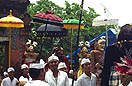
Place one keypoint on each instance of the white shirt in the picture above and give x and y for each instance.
(36, 83)
(25, 79)
(70, 82)
(61, 80)
(130, 84)
(7, 82)
(85, 80)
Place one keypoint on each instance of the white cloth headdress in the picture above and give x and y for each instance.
(62, 65)
(84, 60)
(24, 66)
(37, 65)
(10, 69)
(53, 57)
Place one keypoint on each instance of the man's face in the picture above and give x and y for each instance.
(64, 69)
(70, 75)
(54, 64)
(25, 71)
(42, 74)
(11, 74)
(60, 52)
(87, 67)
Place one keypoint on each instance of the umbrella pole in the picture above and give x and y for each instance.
(41, 48)
(44, 39)
(71, 49)
(76, 59)
(9, 46)
(106, 35)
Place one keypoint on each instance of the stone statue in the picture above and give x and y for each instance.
(97, 54)
(30, 55)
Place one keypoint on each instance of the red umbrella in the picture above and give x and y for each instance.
(48, 17)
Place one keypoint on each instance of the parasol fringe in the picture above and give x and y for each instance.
(73, 26)
(12, 25)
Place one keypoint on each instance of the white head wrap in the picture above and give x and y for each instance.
(24, 66)
(42, 61)
(84, 60)
(10, 69)
(53, 57)
(5, 73)
(37, 65)
(71, 71)
(62, 65)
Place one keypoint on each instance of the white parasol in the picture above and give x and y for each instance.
(104, 21)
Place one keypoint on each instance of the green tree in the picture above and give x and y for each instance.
(71, 10)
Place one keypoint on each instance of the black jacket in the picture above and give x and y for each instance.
(112, 55)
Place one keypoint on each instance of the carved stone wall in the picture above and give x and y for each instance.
(14, 37)
(18, 40)
(18, 6)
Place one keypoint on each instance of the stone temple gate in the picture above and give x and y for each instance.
(19, 36)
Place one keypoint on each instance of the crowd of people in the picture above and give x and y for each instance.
(96, 68)
(57, 74)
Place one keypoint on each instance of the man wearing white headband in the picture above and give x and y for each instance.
(62, 67)
(25, 75)
(5, 74)
(72, 74)
(36, 72)
(55, 77)
(87, 78)
(11, 80)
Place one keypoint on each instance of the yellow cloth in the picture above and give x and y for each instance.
(11, 21)
(73, 26)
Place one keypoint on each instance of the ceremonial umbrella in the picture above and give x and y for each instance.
(48, 17)
(104, 21)
(11, 22)
(72, 24)
(52, 31)
(52, 27)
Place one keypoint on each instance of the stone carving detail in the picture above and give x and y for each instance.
(4, 32)
(14, 36)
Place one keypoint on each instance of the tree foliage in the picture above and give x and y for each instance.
(71, 10)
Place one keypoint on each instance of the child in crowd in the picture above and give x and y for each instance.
(87, 78)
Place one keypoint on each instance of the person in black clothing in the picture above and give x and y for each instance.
(123, 47)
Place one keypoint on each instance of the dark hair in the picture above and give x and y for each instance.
(125, 33)
(34, 73)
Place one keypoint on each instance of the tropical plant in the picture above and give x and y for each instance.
(70, 10)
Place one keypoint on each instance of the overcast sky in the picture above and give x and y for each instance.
(119, 9)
